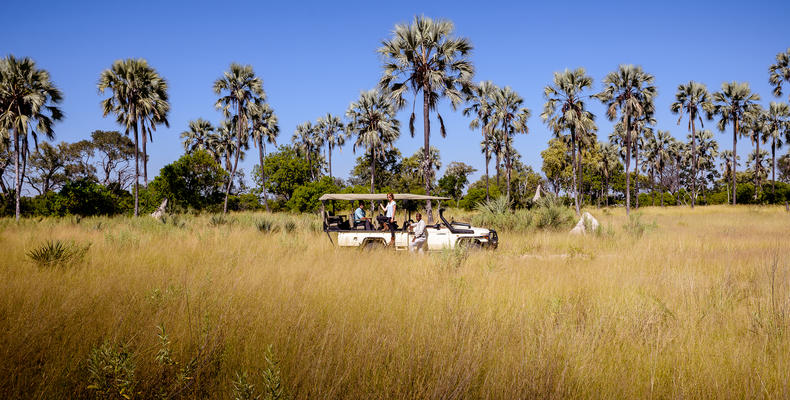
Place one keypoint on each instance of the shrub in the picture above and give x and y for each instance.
(57, 253)
(266, 226)
(111, 372)
(218, 220)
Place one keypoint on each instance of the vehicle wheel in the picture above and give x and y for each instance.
(469, 244)
(372, 245)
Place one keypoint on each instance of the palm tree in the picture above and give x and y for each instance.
(777, 127)
(627, 90)
(728, 158)
(650, 153)
(731, 103)
(28, 101)
(664, 156)
(139, 95)
(330, 129)
(222, 143)
(512, 117)
(707, 151)
(641, 129)
(693, 99)
(780, 72)
(564, 110)
(481, 107)
(606, 165)
(264, 129)
(372, 120)
(243, 91)
(755, 129)
(307, 141)
(196, 136)
(424, 56)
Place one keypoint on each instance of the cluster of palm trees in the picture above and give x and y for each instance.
(424, 57)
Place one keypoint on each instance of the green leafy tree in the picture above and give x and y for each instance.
(481, 107)
(285, 171)
(265, 129)
(28, 106)
(565, 110)
(193, 181)
(331, 131)
(305, 197)
(780, 72)
(455, 179)
(732, 103)
(424, 57)
(512, 118)
(138, 94)
(693, 100)
(240, 93)
(115, 153)
(373, 126)
(197, 135)
(389, 167)
(557, 165)
(627, 89)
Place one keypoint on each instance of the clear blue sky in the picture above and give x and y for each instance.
(315, 58)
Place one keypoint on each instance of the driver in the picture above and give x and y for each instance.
(420, 234)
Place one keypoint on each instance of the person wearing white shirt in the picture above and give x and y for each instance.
(390, 215)
(420, 234)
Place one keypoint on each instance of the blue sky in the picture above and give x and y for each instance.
(316, 57)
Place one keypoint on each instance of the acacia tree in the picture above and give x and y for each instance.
(424, 57)
(115, 152)
(565, 110)
(779, 73)
(330, 129)
(731, 104)
(264, 129)
(373, 124)
(197, 135)
(28, 99)
(481, 106)
(138, 93)
(777, 127)
(512, 117)
(241, 92)
(627, 90)
(693, 99)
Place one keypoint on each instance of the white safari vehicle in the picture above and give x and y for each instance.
(441, 235)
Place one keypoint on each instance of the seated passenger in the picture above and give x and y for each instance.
(420, 234)
(360, 219)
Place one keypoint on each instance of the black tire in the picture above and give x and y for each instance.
(371, 245)
(469, 244)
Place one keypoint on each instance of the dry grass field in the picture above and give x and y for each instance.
(695, 306)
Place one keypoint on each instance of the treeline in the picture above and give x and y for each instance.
(423, 61)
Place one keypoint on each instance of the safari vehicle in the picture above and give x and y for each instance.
(441, 235)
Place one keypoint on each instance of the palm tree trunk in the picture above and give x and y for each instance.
(758, 166)
(136, 167)
(236, 161)
(661, 185)
(573, 168)
(145, 155)
(693, 163)
(329, 156)
(488, 158)
(427, 147)
(507, 161)
(372, 178)
(627, 164)
(773, 169)
(579, 182)
(261, 155)
(636, 166)
(734, 158)
(17, 178)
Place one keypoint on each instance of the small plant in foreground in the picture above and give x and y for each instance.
(55, 253)
(290, 226)
(243, 389)
(266, 226)
(635, 226)
(111, 372)
(217, 220)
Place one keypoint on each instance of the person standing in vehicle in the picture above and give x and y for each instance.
(389, 213)
(420, 234)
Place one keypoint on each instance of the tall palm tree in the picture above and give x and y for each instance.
(307, 141)
(197, 135)
(641, 129)
(512, 118)
(706, 154)
(777, 127)
(693, 99)
(424, 56)
(264, 129)
(755, 129)
(481, 107)
(331, 129)
(664, 156)
(156, 115)
(372, 121)
(240, 93)
(565, 110)
(627, 90)
(650, 153)
(606, 165)
(139, 96)
(729, 163)
(28, 99)
(222, 144)
(780, 72)
(731, 104)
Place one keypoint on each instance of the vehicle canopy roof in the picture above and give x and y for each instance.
(377, 196)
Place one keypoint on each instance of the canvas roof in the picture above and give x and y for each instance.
(377, 196)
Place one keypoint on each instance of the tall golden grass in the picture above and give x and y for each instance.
(697, 306)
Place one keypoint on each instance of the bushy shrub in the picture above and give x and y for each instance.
(57, 254)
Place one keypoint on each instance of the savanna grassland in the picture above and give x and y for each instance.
(682, 304)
